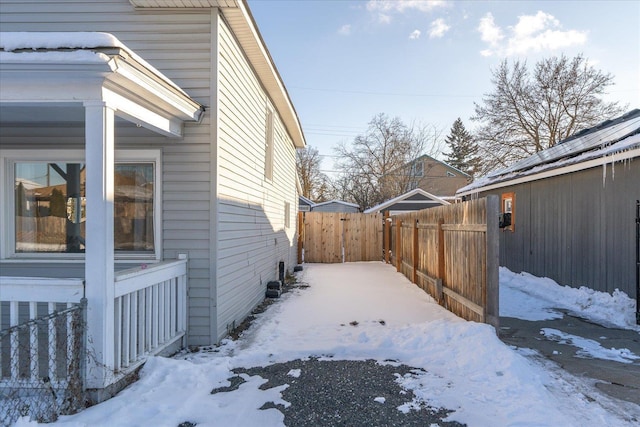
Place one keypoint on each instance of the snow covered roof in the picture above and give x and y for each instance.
(306, 201)
(72, 46)
(339, 202)
(49, 69)
(611, 141)
(405, 196)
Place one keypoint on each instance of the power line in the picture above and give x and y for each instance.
(362, 92)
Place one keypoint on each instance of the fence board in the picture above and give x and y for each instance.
(449, 251)
(454, 257)
(332, 237)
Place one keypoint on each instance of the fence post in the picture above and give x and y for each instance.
(398, 244)
(415, 251)
(387, 240)
(441, 262)
(491, 296)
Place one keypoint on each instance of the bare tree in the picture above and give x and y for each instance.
(315, 184)
(374, 166)
(529, 112)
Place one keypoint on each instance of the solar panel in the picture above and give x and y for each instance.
(586, 140)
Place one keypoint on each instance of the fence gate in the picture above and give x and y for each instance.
(335, 237)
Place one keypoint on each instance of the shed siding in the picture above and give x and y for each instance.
(178, 43)
(576, 229)
(252, 237)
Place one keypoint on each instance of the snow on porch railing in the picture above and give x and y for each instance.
(150, 310)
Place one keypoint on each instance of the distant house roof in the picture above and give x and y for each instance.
(306, 201)
(425, 156)
(339, 202)
(413, 200)
(611, 141)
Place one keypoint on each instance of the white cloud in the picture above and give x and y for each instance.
(530, 24)
(489, 31)
(532, 33)
(402, 5)
(415, 35)
(438, 28)
(345, 30)
(384, 8)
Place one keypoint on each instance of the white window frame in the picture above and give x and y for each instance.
(8, 159)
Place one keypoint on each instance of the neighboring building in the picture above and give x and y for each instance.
(200, 136)
(304, 204)
(413, 200)
(335, 206)
(574, 208)
(435, 177)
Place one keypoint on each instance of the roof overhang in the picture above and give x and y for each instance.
(401, 198)
(590, 160)
(240, 19)
(113, 75)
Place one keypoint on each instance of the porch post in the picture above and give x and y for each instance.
(99, 274)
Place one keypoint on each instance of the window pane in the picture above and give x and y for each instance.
(49, 207)
(133, 216)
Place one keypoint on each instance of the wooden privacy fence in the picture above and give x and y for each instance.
(331, 237)
(452, 253)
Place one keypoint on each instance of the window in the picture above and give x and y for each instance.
(48, 205)
(418, 169)
(509, 207)
(268, 162)
(287, 214)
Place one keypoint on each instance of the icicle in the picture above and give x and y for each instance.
(613, 168)
(604, 173)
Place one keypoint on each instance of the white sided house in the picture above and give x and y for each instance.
(147, 163)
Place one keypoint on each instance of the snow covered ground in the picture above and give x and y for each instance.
(468, 369)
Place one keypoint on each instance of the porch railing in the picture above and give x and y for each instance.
(150, 311)
(41, 347)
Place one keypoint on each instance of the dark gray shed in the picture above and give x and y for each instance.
(574, 208)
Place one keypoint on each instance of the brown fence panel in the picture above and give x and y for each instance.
(449, 251)
(322, 237)
(331, 237)
(362, 237)
(452, 253)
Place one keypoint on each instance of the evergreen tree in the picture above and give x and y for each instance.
(464, 150)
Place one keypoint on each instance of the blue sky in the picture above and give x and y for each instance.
(428, 61)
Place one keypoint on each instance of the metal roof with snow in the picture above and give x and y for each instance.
(612, 140)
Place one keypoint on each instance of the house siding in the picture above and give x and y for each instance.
(252, 237)
(179, 44)
(576, 229)
(436, 181)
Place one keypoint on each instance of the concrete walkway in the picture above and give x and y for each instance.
(616, 379)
